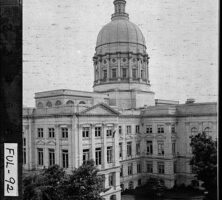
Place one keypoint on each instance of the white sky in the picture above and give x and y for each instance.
(59, 38)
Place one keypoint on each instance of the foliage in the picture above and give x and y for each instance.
(204, 161)
(54, 184)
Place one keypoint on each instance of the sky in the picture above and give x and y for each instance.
(59, 39)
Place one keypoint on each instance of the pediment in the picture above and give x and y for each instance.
(40, 142)
(99, 109)
(51, 142)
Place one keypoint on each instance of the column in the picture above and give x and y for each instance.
(45, 149)
(70, 147)
(168, 143)
(99, 70)
(92, 135)
(117, 179)
(74, 139)
(124, 156)
(130, 68)
(104, 147)
(57, 149)
(116, 145)
(118, 67)
(80, 144)
(139, 68)
(186, 140)
(95, 78)
(28, 140)
(108, 70)
(200, 127)
(106, 180)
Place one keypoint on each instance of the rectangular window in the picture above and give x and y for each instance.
(149, 129)
(138, 167)
(65, 159)
(129, 149)
(175, 166)
(173, 148)
(98, 156)
(64, 132)
(40, 156)
(149, 147)
(97, 131)
(104, 74)
(51, 157)
(121, 171)
(173, 130)
(40, 132)
(124, 72)
(160, 128)
(160, 167)
(24, 141)
(114, 75)
(149, 167)
(120, 130)
(139, 182)
(134, 72)
(128, 129)
(85, 156)
(24, 156)
(130, 169)
(111, 179)
(120, 150)
(85, 132)
(109, 154)
(51, 132)
(142, 74)
(138, 148)
(160, 148)
(109, 132)
(137, 129)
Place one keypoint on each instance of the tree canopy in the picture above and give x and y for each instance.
(53, 183)
(204, 161)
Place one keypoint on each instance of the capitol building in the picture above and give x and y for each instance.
(129, 134)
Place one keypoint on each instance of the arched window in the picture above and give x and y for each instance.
(49, 104)
(193, 131)
(69, 102)
(131, 185)
(40, 105)
(207, 130)
(82, 102)
(58, 103)
(113, 197)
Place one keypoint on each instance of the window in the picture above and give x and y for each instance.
(138, 167)
(131, 186)
(175, 166)
(160, 128)
(149, 147)
(85, 132)
(142, 74)
(40, 156)
(49, 104)
(113, 197)
(24, 155)
(51, 132)
(134, 73)
(149, 129)
(173, 130)
(40, 132)
(111, 179)
(138, 148)
(64, 132)
(130, 169)
(65, 159)
(137, 128)
(98, 156)
(207, 130)
(160, 148)
(82, 102)
(122, 187)
(193, 131)
(160, 167)
(139, 183)
(120, 150)
(109, 131)
(109, 154)
(97, 131)
(129, 149)
(85, 156)
(173, 148)
(121, 171)
(51, 157)
(128, 129)
(40, 105)
(124, 72)
(149, 167)
(114, 75)
(120, 129)
(24, 141)
(58, 103)
(104, 74)
(69, 102)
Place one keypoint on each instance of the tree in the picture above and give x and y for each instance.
(204, 161)
(54, 184)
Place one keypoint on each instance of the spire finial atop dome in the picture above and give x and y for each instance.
(119, 10)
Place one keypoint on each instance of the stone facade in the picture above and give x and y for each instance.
(130, 135)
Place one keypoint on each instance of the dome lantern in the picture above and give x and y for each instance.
(119, 6)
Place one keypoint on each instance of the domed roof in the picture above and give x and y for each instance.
(120, 30)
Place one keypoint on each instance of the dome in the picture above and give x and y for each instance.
(120, 31)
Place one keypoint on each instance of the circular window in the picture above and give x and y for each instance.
(58, 103)
(49, 104)
(113, 60)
